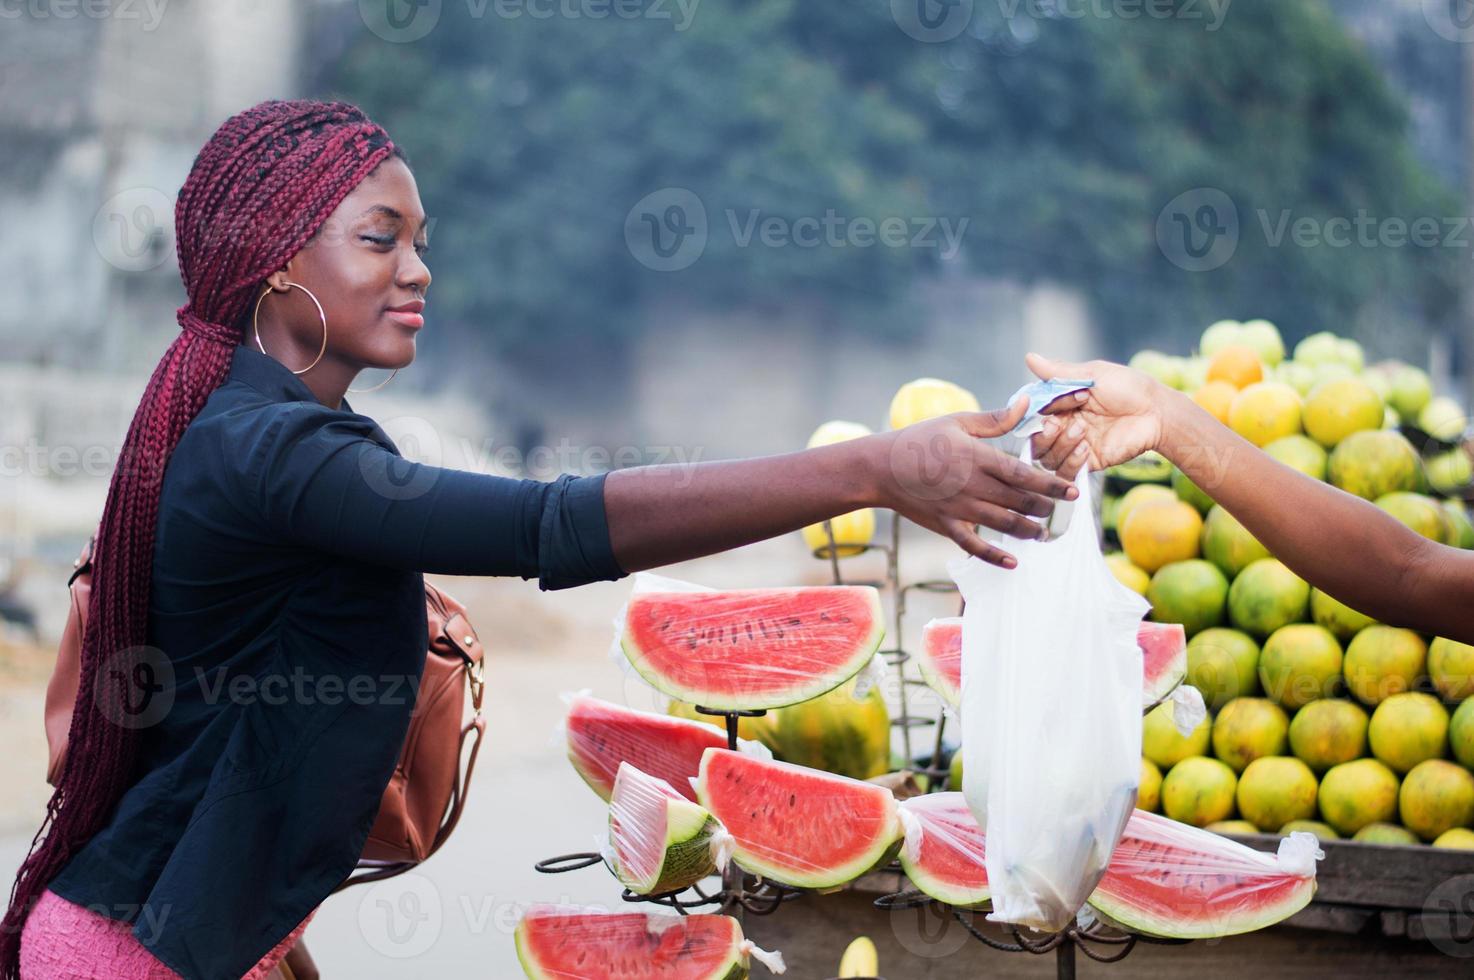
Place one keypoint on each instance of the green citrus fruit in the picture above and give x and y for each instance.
(1355, 794)
(1372, 464)
(1193, 593)
(1436, 796)
(1223, 664)
(1248, 729)
(1336, 616)
(1275, 790)
(1198, 791)
(1328, 732)
(1407, 729)
(1299, 663)
(1266, 596)
(1382, 661)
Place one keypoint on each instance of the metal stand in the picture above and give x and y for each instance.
(740, 893)
(1117, 943)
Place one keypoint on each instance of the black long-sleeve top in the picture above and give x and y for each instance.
(287, 635)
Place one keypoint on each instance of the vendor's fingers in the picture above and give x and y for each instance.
(966, 537)
(1063, 447)
(1073, 463)
(1018, 474)
(1065, 404)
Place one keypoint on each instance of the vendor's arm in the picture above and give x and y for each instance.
(1338, 542)
(939, 474)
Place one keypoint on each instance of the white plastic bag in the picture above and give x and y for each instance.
(1051, 717)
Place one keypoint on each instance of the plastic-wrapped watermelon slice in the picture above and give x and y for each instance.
(1176, 881)
(559, 942)
(944, 854)
(1163, 648)
(659, 841)
(750, 649)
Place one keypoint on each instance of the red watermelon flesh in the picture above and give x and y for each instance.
(1163, 659)
(601, 735)
(1163, 648)
(944, 854)
(566, 943)
(1173, 880)
(796, 825)
(752, 648)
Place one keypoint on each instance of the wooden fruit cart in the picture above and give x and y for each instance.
(1381, 911)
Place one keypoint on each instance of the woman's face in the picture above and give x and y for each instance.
(365, 265)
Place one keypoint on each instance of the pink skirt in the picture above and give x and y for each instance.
(65, 941)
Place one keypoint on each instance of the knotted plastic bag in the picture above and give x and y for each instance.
(1051, 717)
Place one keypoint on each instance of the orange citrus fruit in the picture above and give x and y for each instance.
(1237, 364)
(1216, 397)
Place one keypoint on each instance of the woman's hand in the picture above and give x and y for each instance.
(1120, 418)
(941, 475)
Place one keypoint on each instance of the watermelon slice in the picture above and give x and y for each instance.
(796, 825)
(601, 735)
(752, 648)
(1163, 648)
(1176, 881)
(659, 841)
(558, 942)
(1163, 659)
(941, 658)
(943, 854)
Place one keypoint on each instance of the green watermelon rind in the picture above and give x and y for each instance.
(947, 894)
(822, 684)
(1123, 915)
(687, 860)
(736, 966)
(880, 853)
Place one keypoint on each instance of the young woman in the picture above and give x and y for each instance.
(1341, 544)
(259, 529)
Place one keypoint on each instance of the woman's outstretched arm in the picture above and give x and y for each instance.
(939, 474)
(1338, 542)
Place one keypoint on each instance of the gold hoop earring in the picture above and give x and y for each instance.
(377, 386)
(321, 315)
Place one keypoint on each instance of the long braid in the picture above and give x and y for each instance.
(259, 189)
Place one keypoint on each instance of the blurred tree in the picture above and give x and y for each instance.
(1059, 138)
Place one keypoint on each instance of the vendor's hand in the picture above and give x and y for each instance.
(1119, 419)
(943, 476)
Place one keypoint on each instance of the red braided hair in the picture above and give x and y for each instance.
(259, 189)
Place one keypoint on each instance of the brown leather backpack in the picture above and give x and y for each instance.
(424, 798)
